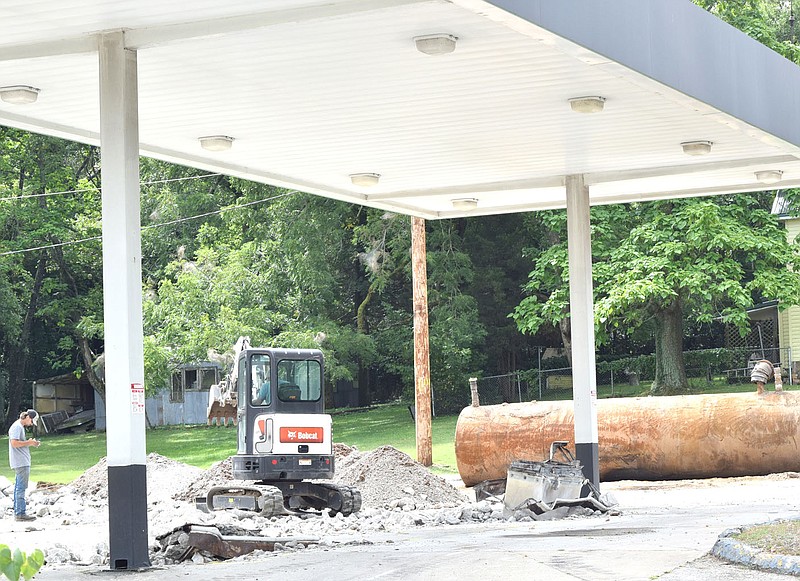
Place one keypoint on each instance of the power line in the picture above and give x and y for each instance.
(168, 180)
(47, 247)
(169, 223)
(220, 211)
(95, 190)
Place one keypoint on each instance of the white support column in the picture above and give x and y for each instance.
(122, 303)
(581, 308)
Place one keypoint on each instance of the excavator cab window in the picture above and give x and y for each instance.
(261, 394)
(299, 380)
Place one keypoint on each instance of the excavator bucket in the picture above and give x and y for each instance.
(221, 405)
(221, 413)
(222, 396)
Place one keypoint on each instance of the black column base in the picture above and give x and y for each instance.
(588, 455)
(127, 517)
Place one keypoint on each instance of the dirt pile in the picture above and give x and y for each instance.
(164, 476)
(398, 493)
(219, 473)
(386, 477)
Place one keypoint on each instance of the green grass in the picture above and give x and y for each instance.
(62, 458)
(392, 425)
(777, 537)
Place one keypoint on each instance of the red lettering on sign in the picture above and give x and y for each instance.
(302, 435)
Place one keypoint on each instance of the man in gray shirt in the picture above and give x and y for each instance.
(19, 457)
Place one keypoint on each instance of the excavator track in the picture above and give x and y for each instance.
(264, 499)
(342, 499)
(272, 502)
(300, 496)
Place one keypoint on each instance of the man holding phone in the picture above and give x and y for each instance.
(19, 457)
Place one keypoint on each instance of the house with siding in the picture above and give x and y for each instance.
(789, 318)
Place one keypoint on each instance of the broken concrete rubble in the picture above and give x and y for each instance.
(222, 542)
(406, 497)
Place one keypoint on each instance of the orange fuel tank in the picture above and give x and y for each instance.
(643, 438)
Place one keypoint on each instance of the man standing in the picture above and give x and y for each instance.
(19, 457)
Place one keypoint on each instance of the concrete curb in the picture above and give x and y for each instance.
(735, 551)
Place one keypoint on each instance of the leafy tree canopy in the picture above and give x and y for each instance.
(695, 259)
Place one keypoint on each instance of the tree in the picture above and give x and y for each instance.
(668, 266)
(769, 22)
(495, 246)
(658, 264)
(48, 282)
(274, 265)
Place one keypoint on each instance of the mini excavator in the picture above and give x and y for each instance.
(276, 399)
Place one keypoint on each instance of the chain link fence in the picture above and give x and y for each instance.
(712, 368)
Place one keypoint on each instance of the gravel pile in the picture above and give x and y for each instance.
(219, 473)
(388, 477)
(163, 477)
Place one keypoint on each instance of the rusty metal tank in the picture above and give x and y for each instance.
(643, 438)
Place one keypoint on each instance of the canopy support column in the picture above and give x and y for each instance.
(122, 305)
(581, 308)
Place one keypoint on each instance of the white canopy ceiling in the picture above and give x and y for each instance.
(313, 91)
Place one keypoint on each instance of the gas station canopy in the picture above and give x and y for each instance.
(433, 108)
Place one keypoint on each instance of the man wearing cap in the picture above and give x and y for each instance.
(19, 457)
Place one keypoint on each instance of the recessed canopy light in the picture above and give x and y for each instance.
(769, 176)
(435, 44)
(365, 179)
(19, 94)
(216, 142)
(696, 147)
(587, 104)
(464, 203)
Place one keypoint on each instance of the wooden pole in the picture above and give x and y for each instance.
(422, 373)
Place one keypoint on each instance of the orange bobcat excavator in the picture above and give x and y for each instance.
(284, 435)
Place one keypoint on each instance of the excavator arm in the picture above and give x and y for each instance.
(222, 396)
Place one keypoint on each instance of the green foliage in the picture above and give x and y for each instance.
(279, 276)
(45, 292)
(456, 332)
(495, 245)
(547, 289)
(158, 366)
(709, 259)
(16, 564)
(718, 359)
(716, 257)
(766, 21)
(643, 365)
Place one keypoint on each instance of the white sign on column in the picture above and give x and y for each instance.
(137, 398)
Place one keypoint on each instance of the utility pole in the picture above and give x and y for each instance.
(422, 372)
